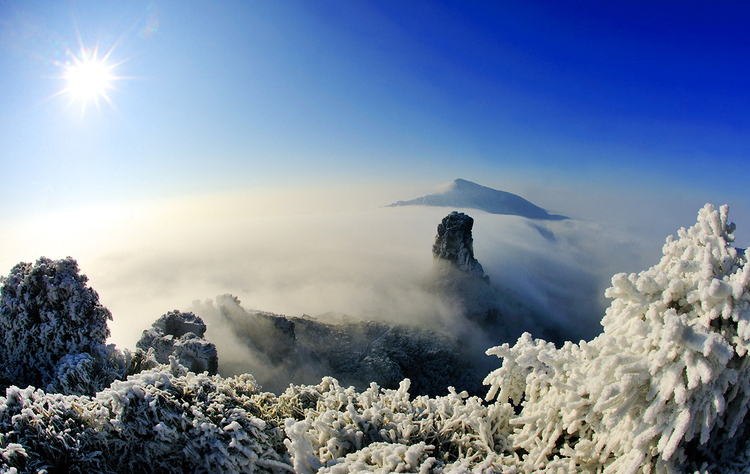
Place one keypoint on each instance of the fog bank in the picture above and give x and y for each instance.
(308, 253)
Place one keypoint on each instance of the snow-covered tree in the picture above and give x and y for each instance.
(53, 330)
(667, 384)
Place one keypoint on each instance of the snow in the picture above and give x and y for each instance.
(344, 430)
(52, 323)
(664, 388)
(669, 368)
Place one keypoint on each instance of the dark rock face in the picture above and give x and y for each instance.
(284, 349)
(454, 244)
(181, 334)
(432, 360)
(279, 350)
(178, 324)
(460, 278)
(270, 334)
(303, 350)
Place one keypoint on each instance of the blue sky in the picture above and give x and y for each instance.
(249, 94)
(233, 128)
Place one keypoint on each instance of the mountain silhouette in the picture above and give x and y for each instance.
(465, 194)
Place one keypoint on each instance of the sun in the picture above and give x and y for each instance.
(88, 78)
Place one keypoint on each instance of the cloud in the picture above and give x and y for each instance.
(309, 252)
(560, 268)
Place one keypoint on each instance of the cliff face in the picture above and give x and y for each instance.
(279, 350)
(459, 277)
(454, 244)
(289, 349)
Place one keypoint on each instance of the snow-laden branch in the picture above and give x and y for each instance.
(666, 384)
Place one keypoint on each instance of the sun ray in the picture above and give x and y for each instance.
(88, 78)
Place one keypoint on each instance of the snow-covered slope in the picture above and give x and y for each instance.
(465, 194)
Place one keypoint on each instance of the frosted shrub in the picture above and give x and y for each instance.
(665, 387)
(87, 373)
(339, 430)
(40, 430)
(161, 420)
(190, 423)
(48, 313)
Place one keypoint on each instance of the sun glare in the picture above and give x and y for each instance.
(89, 78)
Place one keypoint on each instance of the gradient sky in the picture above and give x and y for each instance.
(246, 147)
(257, 94)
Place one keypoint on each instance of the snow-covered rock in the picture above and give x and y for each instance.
(181, 335)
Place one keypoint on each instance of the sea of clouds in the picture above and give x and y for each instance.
(337, 252)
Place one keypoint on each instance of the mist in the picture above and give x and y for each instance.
(333, 258)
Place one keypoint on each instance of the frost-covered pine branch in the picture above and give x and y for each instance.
(665, 387)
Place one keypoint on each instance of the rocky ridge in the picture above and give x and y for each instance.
(288, 349)
(303, 350)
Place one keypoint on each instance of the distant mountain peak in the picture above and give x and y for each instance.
(466, 194)
(458, 182)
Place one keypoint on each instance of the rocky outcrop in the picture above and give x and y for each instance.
(270, 334)
(454, 244)
(279, 350)
(289, 349)
(181, 335)
(460, 278)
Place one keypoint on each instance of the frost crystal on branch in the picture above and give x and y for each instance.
(49, 315)
(163, 420)
(379, 430)
(670, 371)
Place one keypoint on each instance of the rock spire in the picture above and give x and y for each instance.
(455, 245)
